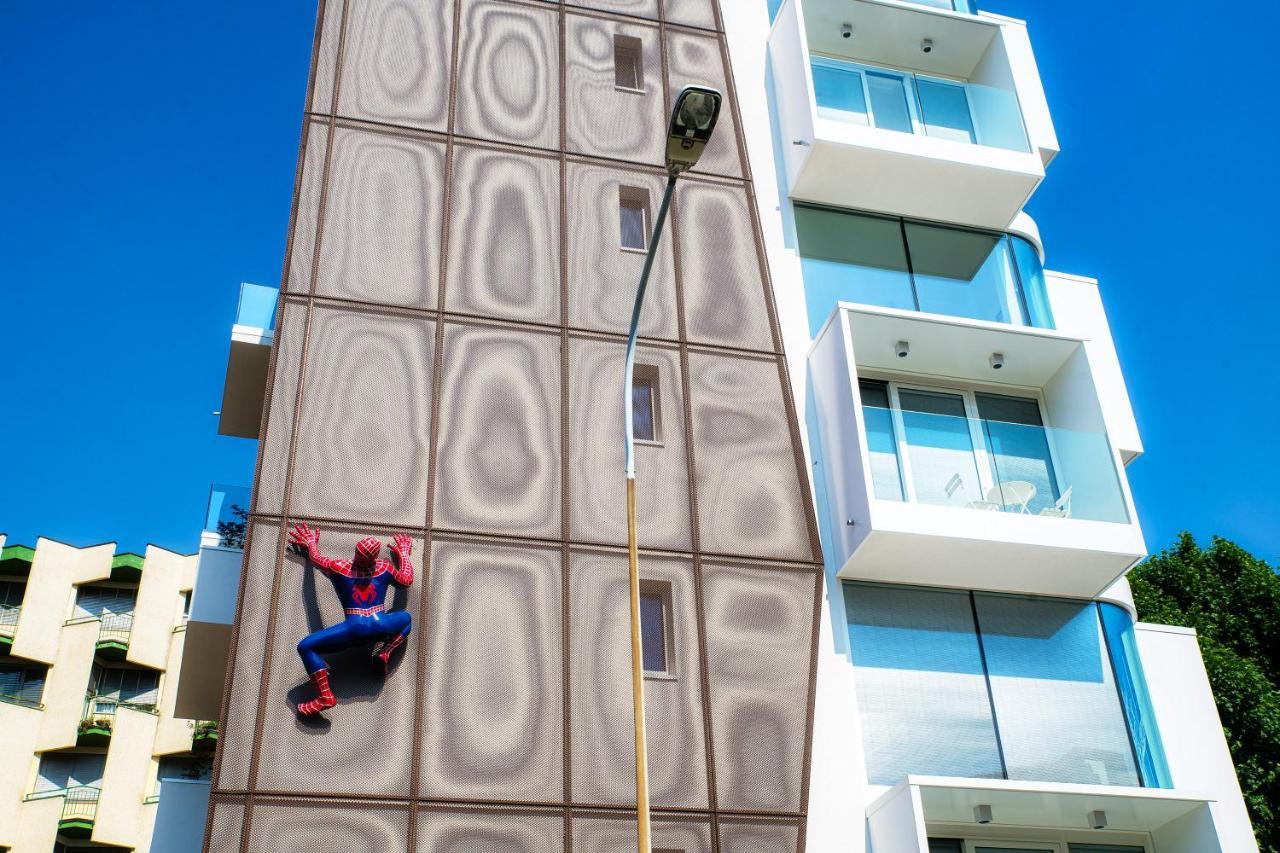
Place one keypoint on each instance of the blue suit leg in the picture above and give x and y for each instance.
(398, 624)
(331, 639)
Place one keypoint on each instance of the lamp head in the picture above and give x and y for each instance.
(692, 120)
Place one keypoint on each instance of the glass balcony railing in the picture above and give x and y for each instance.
(992, 466)
(912, 103)
(228, 514)
(257, 308)
(966, 6)
(918, 266)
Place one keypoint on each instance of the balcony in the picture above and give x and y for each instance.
(247, 363)
(909, 108)
(226, 517)
(8, 626)
(79, 812)
(79, 809)
(938, 469)
(113, 635)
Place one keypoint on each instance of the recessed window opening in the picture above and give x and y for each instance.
(628, 67)
(633, 218)
(646, 417)
(656, 639)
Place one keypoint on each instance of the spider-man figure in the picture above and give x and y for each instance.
(361, 584)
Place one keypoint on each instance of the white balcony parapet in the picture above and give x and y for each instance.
(251, 337)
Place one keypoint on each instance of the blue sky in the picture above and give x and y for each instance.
(149, 156)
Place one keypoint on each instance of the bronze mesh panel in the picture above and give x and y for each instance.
(459, 830)
(363, 438)
(326, 55)
(507, 73)
(598, 497)
(600, 648)
(608, 833)
(759, 674)
(242, 708)
(750, 499)
(690, 13)
(226, 822)
(369, 727)
(499, 450)
(448, 364)
(312, 827)
(746, 836)
(601, 118)
(268, 494)
(396, 69)
(492, 726)
(696, 59)
(638, 8)
(603, 275)
(380, 241)
(505, 213)
(723, 297)
(308, 205)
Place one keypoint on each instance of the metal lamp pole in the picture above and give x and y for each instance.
(692, 120)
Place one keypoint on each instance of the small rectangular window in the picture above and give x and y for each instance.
(655, 627)
(628, 65)
(633, 218)
(645, 416)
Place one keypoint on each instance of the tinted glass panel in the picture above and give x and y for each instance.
(851, 257)
(838, 92)
(946, 845)
(1031, 277)
(944, 470)
(889, 101)
(964, 273)
(882, 443)
(922, 699)
(642, 410)
(653, 631)
(945, 109)
(1134, 696)
(1018, 450)
(1053, 690)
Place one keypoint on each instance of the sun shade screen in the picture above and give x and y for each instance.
(98, 601)
(922, 699)
(59, 771)
(23, 683)
(1053, 691)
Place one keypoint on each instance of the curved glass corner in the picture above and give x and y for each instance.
(1135, 698)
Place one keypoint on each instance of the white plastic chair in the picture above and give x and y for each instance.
(1061, 507)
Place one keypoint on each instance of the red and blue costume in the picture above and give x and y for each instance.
(361, 584)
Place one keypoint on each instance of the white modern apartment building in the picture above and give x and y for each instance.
(983, 684)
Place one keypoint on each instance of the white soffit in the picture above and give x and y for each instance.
(1052, 805)
(955, 348)
(890, 34)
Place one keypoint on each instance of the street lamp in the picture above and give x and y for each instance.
(692, 121)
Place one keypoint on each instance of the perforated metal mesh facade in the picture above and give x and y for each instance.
(446, 365)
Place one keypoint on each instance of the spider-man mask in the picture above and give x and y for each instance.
(367, 552)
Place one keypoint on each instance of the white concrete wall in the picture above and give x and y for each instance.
(158, 608)
(20, 727)
(1077, 310)
(55, 572)
(1192, 734)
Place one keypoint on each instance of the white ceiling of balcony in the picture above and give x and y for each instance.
(890, 33)
(955, 348)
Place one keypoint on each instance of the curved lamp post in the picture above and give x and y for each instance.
(692, 121)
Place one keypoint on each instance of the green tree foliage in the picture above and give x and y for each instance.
(1232, 599)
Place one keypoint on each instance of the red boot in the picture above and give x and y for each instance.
(382, 657)
(324, 696)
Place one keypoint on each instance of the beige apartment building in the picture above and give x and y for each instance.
(87, 638)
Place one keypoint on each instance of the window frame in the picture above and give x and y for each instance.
(662, 589)
(635, 198)
(915, 109)
(652, 375)
(968, 393)
(630, 48)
